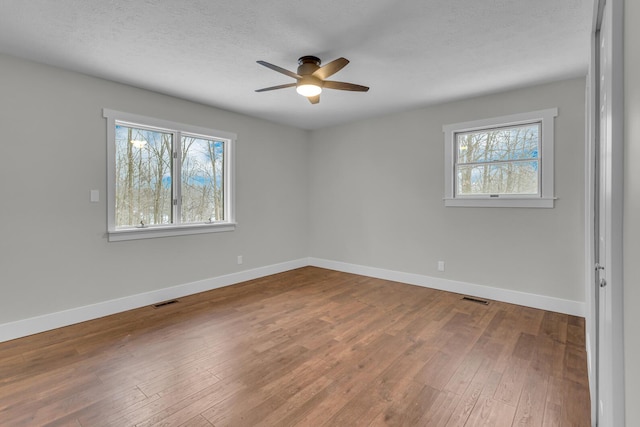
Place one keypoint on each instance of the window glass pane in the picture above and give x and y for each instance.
(509, 143)
(143, 177)
(202, 180)
(497, 178)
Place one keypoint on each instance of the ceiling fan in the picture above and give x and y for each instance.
(311, 77)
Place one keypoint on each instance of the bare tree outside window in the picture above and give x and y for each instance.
(144, 184)
(498, 161)
(202, 180)
(143, 177)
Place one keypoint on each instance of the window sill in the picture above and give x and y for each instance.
(500, 203)
(167, 231)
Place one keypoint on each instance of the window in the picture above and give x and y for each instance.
(505, 161)
(167, 178)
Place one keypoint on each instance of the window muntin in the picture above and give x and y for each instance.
(167, 178)
(498, 161)
(501, 162)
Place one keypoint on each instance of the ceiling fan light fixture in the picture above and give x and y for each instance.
(308, 90)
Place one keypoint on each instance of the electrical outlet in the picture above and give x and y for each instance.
(440, 265)
(239, 259)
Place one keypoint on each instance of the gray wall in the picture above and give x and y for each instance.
(53, 251)
(632, 211)
(377, 188)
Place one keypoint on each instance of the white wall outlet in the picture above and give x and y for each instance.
(95, 196)
(239, 259)
(440, 265)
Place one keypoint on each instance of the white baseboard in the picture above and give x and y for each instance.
(46, 322)
(558, 305)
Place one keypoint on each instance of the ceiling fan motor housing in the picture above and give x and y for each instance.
(308, 64)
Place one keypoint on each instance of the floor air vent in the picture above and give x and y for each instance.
(164, 303)
(476, 300)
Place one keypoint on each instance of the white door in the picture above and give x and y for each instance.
(604, 345)
(607, 292)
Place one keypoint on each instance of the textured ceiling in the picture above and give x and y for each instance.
(411, 53)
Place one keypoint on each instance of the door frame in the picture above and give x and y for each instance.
(612, 395)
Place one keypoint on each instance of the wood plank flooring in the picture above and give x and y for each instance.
(309, 347)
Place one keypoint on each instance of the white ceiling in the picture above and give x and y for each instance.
(411, 53)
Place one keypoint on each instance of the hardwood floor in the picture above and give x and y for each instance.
(309, 347)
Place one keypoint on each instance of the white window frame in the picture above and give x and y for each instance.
(166, 230)
(545, 199)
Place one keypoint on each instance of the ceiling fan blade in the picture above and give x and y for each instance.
(276, 87)
(344, 86)
(280, 70)
(314, 99)
(331, 68)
